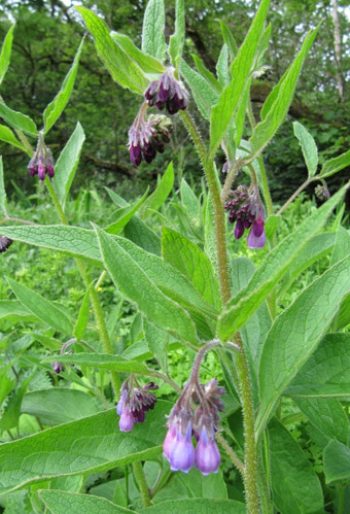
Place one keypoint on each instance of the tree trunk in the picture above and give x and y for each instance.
(337, 49)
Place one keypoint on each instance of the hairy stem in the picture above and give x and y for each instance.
(294, 195)
(142, 484)
(230, 453)
(250, 459)
(95, 301)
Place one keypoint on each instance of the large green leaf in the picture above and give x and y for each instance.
(14, 309)
(177, 40)
(101, 361)
(5, 54)
(276, 264)
(153, 37)
(17, 120)
(204, 94)
(336, 461)
(283, 96)
(197, 506)
(133, 282)
(8, 136)
(336, 164)
(146, 62)
(54, 110)
(61, 502)
(83, 243)
(67, 163)
(59, 405)
(3, 208)
(42, 308)
(192, 262)
(300, 491)
(157, 341)
(241, 69)
(308, 147)
(326, 373)
(88, 445)
(120, 65)
(327, 415)
(296, 334)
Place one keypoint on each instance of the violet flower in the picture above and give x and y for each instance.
(167, 92)
(134, 402)
(147, 136)
(5, 242)
(246, 210)
(41, 163)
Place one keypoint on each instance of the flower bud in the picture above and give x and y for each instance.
(167, 93)
(41, 163)
(134, 402)
(5, 242)
(207, 456)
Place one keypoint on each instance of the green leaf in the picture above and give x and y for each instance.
(177, 40)
(192, 262)
(336, 462)
(147, 63)
(100, 361)
(61, 502)
(332, 166)
(228, 38)
(140, 234)
(327, 416)
(125, 214)
(153, 38)
(83, 316)
(289, 344)
(222, 66)
(42, 308)
(343, 319)
(190, 202)
(308, 147)
(58, 405)
(89, 445)
(132, 281)
(241, 69)
(14, 308)
(162, 191)
(10, 415)
(204, 94)
(157, 341)
(8, 136)
(276, 264)
(3, 208)
(208, 75)
(17, 120)
(54, 110)
(67, 163)
(120, 65)
(341, 246)
(197, 506)
(326, 373)
(300, 490)
(281, 99)
(5, 54)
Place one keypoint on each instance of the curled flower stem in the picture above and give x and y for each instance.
(230, 178)
(142, 484)
(200, 356)
(236, 461)
(95, 301)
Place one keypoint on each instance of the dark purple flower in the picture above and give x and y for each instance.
(57, 367)
(167, 93)
(245, 208)
(147, 136)
(5, 242)
(41, 163)
(207, 456)
(134, 402)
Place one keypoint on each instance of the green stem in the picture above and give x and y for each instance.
(294, 195)
(250, 462)
(95, 301)
(236, 461)
(142, 484)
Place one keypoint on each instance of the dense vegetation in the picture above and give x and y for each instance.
(201, 290)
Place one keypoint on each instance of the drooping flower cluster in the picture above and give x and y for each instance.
(147, 136)
(245, 208)
(134, 402)
(194, 416)
(167, 92)
(5, 242)
(42, 162)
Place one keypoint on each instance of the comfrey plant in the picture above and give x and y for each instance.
(191, 437)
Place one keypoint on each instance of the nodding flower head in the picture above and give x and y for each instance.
(245, 208)
(42, 162)
(147, 136)
(5, 242)
(134, 402)
(167, 92)
(194, 416)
